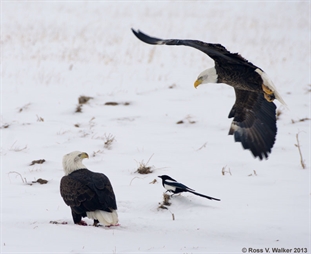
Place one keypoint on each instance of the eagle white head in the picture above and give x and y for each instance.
(73, 161)
(207, 76)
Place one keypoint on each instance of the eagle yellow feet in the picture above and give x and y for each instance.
(268, 93)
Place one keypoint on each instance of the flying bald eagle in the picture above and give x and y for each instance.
(253, 113)
(88, 194)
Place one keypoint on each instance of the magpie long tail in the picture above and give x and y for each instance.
(201, 195)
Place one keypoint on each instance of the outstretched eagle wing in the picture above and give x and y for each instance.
(84, 190)
(254, 122)
(214, 51)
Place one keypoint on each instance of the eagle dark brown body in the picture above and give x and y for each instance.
(89, 194)
(253, 113)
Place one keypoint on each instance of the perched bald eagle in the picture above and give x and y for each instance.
(88, 194)
(254, 113)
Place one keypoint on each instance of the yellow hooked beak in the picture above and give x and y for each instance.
(197, 82)
(84, 155)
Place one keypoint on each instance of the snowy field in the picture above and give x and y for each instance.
(54, 52)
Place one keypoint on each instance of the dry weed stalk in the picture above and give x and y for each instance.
(203, 146)
(303, 165)
(109, 139)
(97, 152)
(91, 122)
(278, 114)
(39, 119)
(151, 55)
(255, 174)
(136, 178)
(153, 181)
(17, 148)
(166, 203)
(223, 171)
(301, 120)
(24, 107)
(23, 178)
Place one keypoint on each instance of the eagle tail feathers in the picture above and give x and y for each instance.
(105, 218)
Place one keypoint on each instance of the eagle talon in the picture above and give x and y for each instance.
(82, 223)
(267, 90)
(269, 97)
(95, 224)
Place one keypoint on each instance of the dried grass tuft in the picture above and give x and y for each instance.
(165, 203)
(5, 126)
(41, 181)
(37, 162)
(143, 168)
(166, 199)
(79, 108)
(84, 99)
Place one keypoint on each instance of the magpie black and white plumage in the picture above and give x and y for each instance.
(175, 187)
(253, 113)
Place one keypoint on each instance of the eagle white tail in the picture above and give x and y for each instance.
(267, 82)
(105, 218)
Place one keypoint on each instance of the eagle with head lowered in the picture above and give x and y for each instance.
(88, 194)
(253, 113)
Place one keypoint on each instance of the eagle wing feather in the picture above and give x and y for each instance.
(254, 122)
(84, 190)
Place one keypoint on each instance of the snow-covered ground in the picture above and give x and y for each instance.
(54, 52)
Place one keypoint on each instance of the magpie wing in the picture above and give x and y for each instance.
(178, 185)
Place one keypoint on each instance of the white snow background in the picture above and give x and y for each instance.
(54, 52)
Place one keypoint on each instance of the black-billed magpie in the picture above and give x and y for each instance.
(172, 185)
